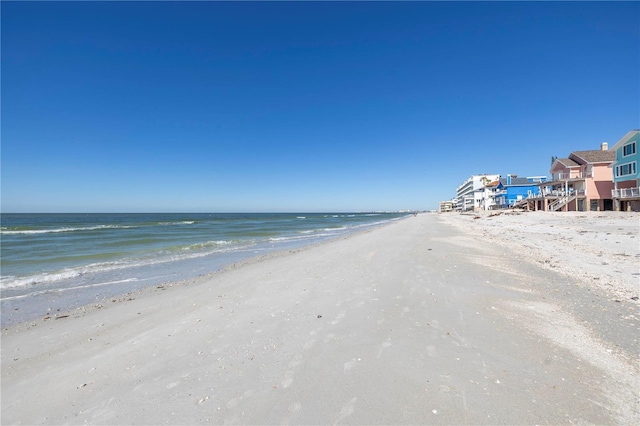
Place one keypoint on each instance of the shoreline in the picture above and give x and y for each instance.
(43, 303)
(409, 323)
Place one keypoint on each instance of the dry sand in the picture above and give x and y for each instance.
(436, 319)
(594, 249)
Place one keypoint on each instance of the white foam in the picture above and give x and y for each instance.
(6, 231)
(57, 230)
(12, 281)
(206, 244)
(215, 247)
(62, 290)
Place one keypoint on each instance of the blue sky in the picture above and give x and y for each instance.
(298, 106)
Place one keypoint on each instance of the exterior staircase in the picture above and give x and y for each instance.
(561, 202)
(525, 203)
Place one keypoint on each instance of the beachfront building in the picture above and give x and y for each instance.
(626, 176)
(579, 182)
(513, 190)
(488, 195)
(447, 206)
(470, 194)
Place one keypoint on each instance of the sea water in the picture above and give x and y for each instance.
(52, 262)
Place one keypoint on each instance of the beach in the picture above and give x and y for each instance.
(512, 318)
(593, 249)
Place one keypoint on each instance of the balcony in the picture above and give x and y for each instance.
(570, 176)
(626, 193)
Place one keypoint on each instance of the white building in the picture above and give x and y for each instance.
(448, 206)
(470, 193)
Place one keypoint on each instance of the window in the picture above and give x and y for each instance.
(626, 169)
(589, 171)
(629, 149)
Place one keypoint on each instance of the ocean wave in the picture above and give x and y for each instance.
(7, 282)
(16, 231)
(61, 290)
(373, 224)
(292, 238)
(207, 244)
(335, 229)
(65, 229)
(164, 256)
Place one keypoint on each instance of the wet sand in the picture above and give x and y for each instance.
(434, 319)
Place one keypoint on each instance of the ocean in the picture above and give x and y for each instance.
(52, 262)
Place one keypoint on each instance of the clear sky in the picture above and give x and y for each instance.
(297, 106)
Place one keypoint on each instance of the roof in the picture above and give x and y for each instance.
(593, 156)
(517, 182)
(567, 162)
(626, 138)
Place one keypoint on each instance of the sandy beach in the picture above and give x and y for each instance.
(528, 318)
(594, 249)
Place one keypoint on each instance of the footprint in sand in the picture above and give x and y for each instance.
(349, 365)
(291, 411)
(384, 346)
(329, 337)
(235, 401)
(288, 379)
(347, 410)
(431, 351)
(338, 318)
(295, 407)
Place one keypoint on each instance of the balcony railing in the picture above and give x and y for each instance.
(626, 193)
(570, 176)
(558, 193)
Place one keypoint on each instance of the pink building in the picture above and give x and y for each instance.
(581, 182)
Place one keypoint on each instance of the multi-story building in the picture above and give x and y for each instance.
(580, 182)
(470, 193)
(447, 206)
(513, 189)
(626, 176)
(488, 195)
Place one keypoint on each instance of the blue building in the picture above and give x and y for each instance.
(512, 189)
(626, 172)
